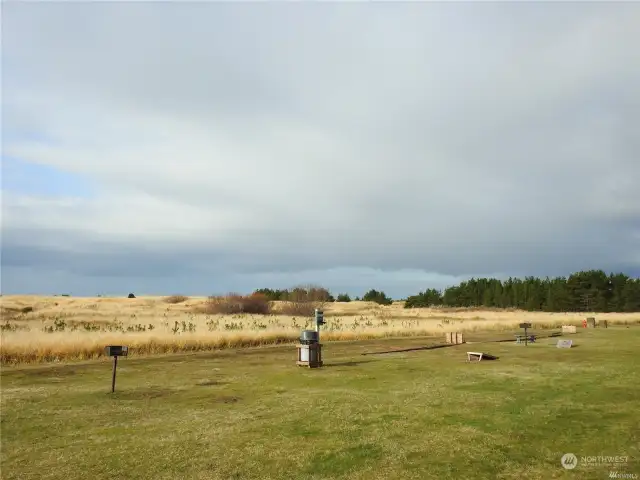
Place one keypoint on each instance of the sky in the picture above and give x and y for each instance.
(210, 147)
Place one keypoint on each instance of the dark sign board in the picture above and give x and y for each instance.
(525, 325)
(116, 351)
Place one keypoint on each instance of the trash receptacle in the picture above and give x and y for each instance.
(309, 350)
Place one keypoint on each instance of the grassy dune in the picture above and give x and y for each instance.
(48, 329)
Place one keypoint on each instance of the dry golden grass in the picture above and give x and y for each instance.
(45, 329)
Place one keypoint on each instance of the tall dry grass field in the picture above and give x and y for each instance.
(49, 329)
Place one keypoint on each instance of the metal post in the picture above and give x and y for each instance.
(525, 336)
(113, 379)
(317, 324)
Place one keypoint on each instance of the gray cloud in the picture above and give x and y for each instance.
(238, 140)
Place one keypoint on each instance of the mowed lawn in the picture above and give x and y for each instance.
(254, 414)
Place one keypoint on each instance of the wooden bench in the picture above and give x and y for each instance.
(480, 356)
(530, 338)
(477, 355)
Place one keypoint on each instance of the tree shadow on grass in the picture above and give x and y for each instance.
(210, 383)
(142, 393)
(346, 364)
(430, 347)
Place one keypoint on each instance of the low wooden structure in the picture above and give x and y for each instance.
(455, 338)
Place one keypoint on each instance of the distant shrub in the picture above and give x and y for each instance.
(343, 297)
(298, 309)
(272, 295)
(236, 303)
(131, 295)
(176, 299)
(309, 293)
(378, 297)
(302, 301)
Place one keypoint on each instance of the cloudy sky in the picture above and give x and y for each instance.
(203, 148)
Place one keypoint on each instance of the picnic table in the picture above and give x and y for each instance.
(530, 338)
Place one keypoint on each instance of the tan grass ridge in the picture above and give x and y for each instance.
(46, 329)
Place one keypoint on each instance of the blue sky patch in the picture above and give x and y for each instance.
(29, 178)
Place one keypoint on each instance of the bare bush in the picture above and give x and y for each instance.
(297, 309)
(302, 301)
(176, 299)
(236, 303)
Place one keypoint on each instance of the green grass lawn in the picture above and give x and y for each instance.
(255, 414)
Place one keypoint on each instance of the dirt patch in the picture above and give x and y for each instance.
(247, 351)
(176, 359)
(228, 399)
(142, 393)
(48, 372)
(209, 383)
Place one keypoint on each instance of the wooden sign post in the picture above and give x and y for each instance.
(115, 351)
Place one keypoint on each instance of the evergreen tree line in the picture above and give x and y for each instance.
(586, 291)
(319, 294)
